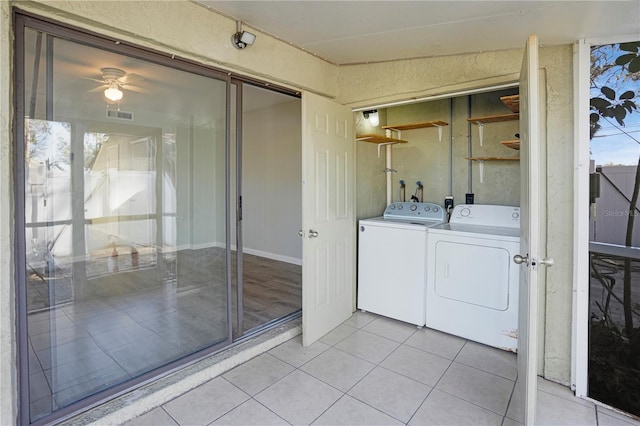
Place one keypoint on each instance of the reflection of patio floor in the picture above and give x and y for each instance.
(614, 349)
(132, 322)
(610, 271)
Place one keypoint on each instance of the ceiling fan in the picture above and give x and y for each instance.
(114, 80)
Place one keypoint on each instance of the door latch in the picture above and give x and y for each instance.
(519, 259)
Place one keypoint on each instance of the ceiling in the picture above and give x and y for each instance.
(348, 32)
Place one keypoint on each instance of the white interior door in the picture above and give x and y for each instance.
(328, 216)
(532, 208)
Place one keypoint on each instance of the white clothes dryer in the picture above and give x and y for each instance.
(472, 284)
(392, 260)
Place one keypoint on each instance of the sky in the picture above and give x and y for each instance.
(610, 145)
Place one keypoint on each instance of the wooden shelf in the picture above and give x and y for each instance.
(513, 144)
(493, 118)
(378, 139)
(512, 102)
(417, 125)
(492, 158)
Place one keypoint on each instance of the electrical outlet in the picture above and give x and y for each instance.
(468, 199)
(448, 202)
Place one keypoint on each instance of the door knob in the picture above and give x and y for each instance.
(547, 261)
(301, 233)
(519, 259)
(312, 233)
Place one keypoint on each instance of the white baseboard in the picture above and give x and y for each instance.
(261, 253)
(274, 256)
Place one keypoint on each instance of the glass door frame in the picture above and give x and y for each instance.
(21, 21)
(239, 83)
(580, 326)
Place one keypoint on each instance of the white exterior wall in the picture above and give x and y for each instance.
(8, 378)
(164, 28)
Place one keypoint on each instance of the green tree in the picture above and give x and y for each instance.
(611, 69)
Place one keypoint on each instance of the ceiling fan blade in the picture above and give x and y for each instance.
(134, 88)
(99, 88)
(93, 79)
(130, 78)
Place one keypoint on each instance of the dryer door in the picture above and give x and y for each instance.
(473, 273)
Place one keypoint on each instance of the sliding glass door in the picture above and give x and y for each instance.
(158, 204)
(121, 218)
(614, 231)
(267, 180)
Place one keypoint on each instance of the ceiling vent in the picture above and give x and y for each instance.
(120, 115)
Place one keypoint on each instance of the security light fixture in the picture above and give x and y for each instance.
(372, 116)
(242, 39)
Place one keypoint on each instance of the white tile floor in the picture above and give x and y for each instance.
(374, 371)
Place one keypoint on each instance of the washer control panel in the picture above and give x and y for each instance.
(486, 215)
(415, 211)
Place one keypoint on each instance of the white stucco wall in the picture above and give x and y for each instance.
(558, 65)
(191, 31)
(377, 84)
(7, 290)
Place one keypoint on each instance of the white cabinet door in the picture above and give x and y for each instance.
(531, 207)
(328, 216)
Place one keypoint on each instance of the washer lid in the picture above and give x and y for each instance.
(477, 231)
(399, 223)
(486, 215)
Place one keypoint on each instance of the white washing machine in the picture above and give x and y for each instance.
(472, 283)
(392, 253)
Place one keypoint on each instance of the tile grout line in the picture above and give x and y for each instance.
(379, 364)
(458, 397)
(270, 410)
(436, 384)
(345, 393)
(513, 391)
(168, 414)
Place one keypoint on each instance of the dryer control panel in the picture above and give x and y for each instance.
(428, 212)
(486, 215)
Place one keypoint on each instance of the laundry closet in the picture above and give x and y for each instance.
(460, 156)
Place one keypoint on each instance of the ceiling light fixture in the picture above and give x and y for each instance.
(113, 93)
(242, 39)
(372, 116)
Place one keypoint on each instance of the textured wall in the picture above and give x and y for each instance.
(8, 409)
(373, 84)
(189, 30)
(558, 65)
(425, 158)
